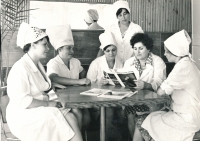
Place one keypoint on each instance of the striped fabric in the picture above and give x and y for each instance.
(138, 66)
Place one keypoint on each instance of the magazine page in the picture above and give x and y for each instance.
(118, 94)
(118, 78)
(124, 77)
(111, 78)
(95, 92)
(127, 76)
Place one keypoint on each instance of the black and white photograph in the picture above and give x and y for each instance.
(100, 70)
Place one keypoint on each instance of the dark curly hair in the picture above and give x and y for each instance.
(27, 46)
(120, 11)
(144, 38)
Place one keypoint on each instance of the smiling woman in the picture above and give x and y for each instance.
(64, 69)
(29, 111)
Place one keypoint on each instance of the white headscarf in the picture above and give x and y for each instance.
(91, 15)
(106, 39)
(28, 34)
(60, 36)
(179, 43)
(121, 4)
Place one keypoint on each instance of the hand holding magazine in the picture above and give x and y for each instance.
(123, 77)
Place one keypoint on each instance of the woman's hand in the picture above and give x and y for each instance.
(84, 81)
(54, 104)
(139, 84)
(56, 85)
(104, 81)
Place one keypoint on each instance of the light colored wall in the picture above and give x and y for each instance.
(196, 31)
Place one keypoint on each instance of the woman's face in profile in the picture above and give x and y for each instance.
(140, 51)
(42, 48)
(124, 17)
(170, 57)
(111, 52)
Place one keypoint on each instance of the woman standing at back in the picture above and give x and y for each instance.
(123, 30)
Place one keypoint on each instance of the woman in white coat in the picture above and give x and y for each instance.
(123, 30)
(149, 69)
(30, 115)
(183, 120)
(91, 19)
(106, 62)
(95, 74)
(64, 69)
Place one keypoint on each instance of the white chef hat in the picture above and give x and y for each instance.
(106, 39)
(121, 4)
(178, 43)
(60, 36)
(28, 34)
(91, 15)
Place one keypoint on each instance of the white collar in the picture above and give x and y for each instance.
(61, 61)
(31, 64)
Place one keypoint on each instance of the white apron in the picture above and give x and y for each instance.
(25, 83)
(180, 124)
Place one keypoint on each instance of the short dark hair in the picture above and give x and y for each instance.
(120, 11)
(27, 46)
(144, 38)
(106, 47)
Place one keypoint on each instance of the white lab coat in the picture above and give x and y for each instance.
(180, 124)
(95, 71)
(154, 74)
(124, 49)
(57, 66)
(25, 83)
(95, 26)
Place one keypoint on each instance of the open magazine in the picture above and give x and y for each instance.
(105, 93)
(118, 94)
(95, 92)
(123, 77)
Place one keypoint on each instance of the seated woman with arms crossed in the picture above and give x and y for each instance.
(149, 69)
(64, 69)
(30, 115)
(183, 84)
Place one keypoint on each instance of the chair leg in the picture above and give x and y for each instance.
(86, 138)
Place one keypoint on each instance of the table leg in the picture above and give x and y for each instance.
(102, 126)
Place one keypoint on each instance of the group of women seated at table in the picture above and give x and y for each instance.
(31, 116)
